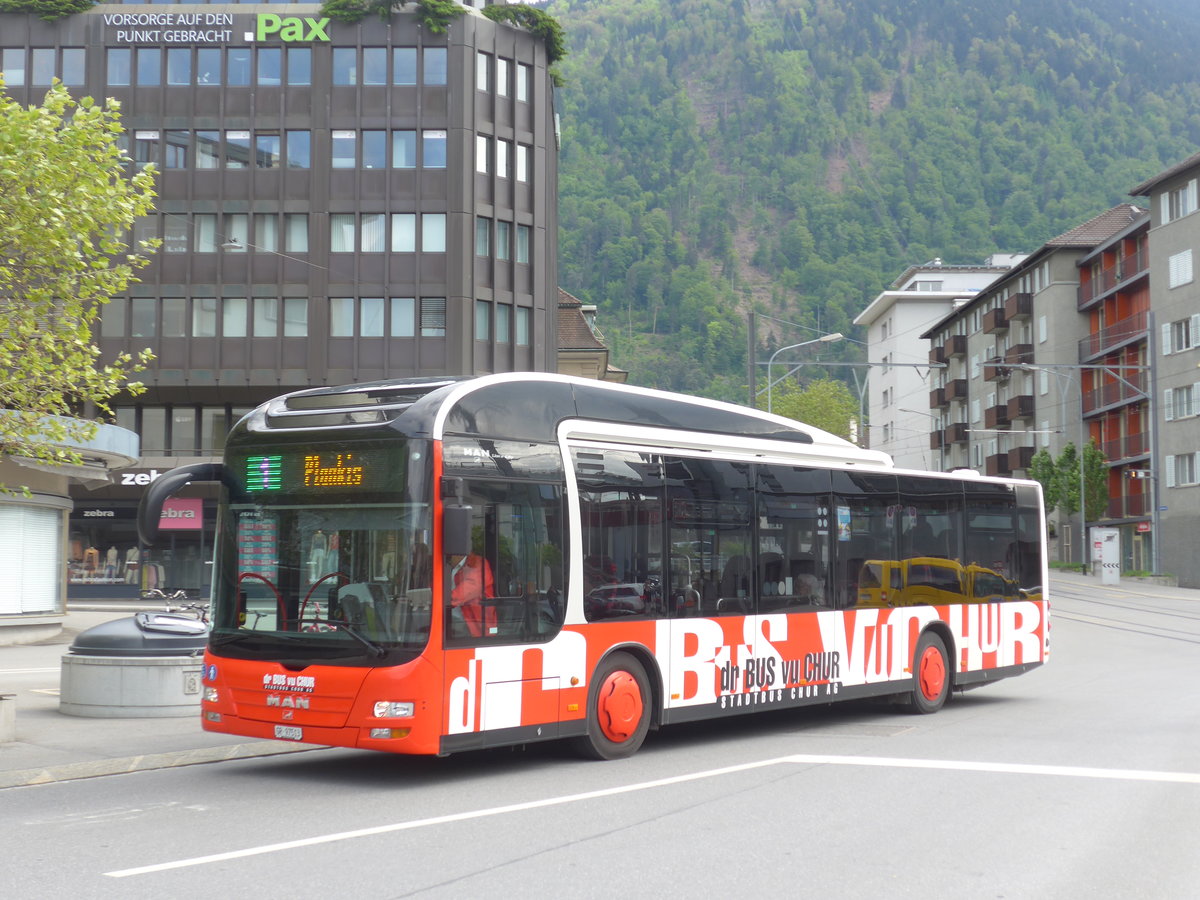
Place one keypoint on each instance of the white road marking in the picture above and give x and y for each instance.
(796, 759)
(39, 671)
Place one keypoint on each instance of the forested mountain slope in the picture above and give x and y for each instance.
(793, 156)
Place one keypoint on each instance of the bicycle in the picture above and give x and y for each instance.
(178, 602)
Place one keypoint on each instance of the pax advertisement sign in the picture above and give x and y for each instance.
(192, 27)
(182, 515)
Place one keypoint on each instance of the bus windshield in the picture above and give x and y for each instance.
(324, 556)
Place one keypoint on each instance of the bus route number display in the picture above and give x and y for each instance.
(308, 471)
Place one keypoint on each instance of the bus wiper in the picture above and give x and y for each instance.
(351, 629)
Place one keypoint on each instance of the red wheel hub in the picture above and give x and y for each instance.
(931, 675)
(619, 706)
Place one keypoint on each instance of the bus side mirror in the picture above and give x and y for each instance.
(456, 530)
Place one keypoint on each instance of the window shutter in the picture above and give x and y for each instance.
(1168, 405)
(1165, 206)
(1196, 399)
(1166, 339)
(1170, 467)
(1195, 331)
(1191, 196)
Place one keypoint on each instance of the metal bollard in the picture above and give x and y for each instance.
(8, 717)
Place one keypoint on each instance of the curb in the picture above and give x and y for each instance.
(126, 765)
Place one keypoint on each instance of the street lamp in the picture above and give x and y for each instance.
(824, 339)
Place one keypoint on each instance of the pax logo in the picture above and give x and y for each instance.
(291, 28)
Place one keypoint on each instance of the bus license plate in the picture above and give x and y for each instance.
(288, 733)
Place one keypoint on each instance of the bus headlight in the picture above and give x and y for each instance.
(211, 695)
(394, 709)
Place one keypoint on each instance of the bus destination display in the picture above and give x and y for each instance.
(319, 472)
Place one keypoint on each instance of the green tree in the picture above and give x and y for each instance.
(1043, 470)
(824, 404)
(1094, 481)
(67, 207)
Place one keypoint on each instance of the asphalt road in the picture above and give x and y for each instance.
(1080, 779)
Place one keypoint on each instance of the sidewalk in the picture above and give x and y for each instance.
(51, 746)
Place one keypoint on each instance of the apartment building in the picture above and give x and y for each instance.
(337, 203)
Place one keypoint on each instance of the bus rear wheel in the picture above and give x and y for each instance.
(931, 675)
(618, 709)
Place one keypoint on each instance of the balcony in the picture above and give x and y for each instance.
(1020, 407)
(956, 389)
(1124, 272)
(997, 465)
(956, 345)
(937, 398)
(956, 433)
(993, 372)
(1127, 331)
(1128, 506)
(1019, 353)
(994, 320)
(937, 355)
(1018, 306)
(1020, 458)
(937, 440)
(1129, 446)
(996, 416)
(1117, 393)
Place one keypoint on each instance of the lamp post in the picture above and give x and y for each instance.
(824, 339)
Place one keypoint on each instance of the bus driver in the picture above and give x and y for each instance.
(472, 581)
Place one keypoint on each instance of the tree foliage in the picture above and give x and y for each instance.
(1043, 470)
(793, 156)
(68, 206)
(825, 403)
(434, 15)
(46, 9)
(1094, 480)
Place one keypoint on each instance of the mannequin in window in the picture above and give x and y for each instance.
(91, 559)
(133, 559)
(111, 560)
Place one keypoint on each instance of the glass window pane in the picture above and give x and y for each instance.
(483, 236)
(149, 65)
(208, 149)
(503, 323)
(43, 66)
(404, 65)
(205, 232)
(270, 65)
(481, 71)
(213, 429)
(296, 237)
(341, 232)
(404, 317)
(522, 163)
(481, 153)
(299, 154)
(237, 230)
(502, 239)
(295, 317)
(266, 316)
(404, 149)
(434, 59)
(345, 65)
(433, 232)
(119, 61)
(344, 143)
(341, 317)
(208, 65)
(483, 320)
(239, 65)
(175, 146)
(174, 317)
(370, 317)
(266, 231)
(522, 243)
(523, 79)
(433, 148)
(502, 151)
(501, 77)
(154, 429)
(141, 317)
(112, 319)
(179, 66)
(374, 65)
(204, 317)
(299, 61)
(522, 326)
(233, 317)
(372, 233)
(12, 65)
(266, 154)
(404, 232)
(374, 149)
(175, 234)
(433, 317)
(237, 149)
(183, 429)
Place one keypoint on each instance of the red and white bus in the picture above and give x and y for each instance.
(438, 565)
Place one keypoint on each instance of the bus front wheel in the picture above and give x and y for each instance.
(618, 709)
(931, 675)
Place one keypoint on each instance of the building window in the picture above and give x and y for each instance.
(433, 149)
(481, 71)
(341, 317)
(522, 163)
(483, 236)
(238, 66)
(174, 317)
(42, 70)
(175, 149)
(404, 232)
(205, 233)
(483, 320)
(433, 232)
(12, 66)
(523, 326)
(1179, 269)
(1181, 402)
(374, 238)
(295, 317)
(374, 149)
(341, 232)
(1180, 335)
(142, 316)
(299, 149)
(481, 154)
(237, 149)
(374, 65)
(299, 63)
(434, 65)
(433, 317)
(234, 313)
(208, 66)
(1179, 203)
(208, 149)
(502, 153)
(204, 317)
(345, 65)
(404, 65)
(524, 80)
(370, 317)
(1181, 469)
(522, 244)
(343, 155)
(503, 240)
(502, 68)
(295, 232)
(503, 323)
(270, 66)
(404, 149)
(265, 317)
(404, 317)
(119, 64)
(266, 151)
